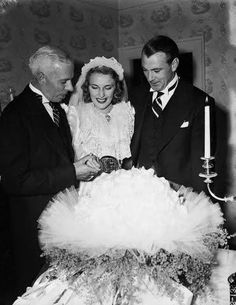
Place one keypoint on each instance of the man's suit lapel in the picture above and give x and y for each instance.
(174, 114)
(41, 119)
(66, 133)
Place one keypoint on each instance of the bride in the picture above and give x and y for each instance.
(100, 117)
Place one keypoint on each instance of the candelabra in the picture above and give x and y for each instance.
(208, 174)
(208, 159)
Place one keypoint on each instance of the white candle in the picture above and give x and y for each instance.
(207, 138)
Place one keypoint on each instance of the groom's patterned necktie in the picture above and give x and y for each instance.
(56, 113)
(156, 105)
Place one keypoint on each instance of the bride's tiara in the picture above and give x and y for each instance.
(103, 61)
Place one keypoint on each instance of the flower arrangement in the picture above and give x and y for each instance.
(128, 228)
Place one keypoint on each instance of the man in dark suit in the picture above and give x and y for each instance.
(36, 155)
(169, 123)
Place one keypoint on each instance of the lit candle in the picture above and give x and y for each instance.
(207, 138)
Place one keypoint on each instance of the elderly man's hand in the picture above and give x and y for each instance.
(87, 167)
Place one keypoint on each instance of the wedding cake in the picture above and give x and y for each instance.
(129, 238)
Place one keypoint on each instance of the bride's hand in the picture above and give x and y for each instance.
(87, 167)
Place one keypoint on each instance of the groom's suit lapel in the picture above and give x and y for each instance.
(174, 114)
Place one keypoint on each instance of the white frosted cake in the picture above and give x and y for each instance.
(129, 238)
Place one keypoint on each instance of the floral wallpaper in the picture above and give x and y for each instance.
(84, 30)
(182, 19)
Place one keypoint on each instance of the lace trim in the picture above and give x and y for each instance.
(92, 132)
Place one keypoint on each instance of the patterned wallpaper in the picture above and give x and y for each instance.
(83, 29)
(182, 19)
(86, 28)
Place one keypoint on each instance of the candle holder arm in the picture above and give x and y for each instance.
(208, 174)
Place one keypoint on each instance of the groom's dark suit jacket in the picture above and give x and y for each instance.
(36, 162)
(173, 143)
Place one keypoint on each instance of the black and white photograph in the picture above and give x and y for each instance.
(117, 152)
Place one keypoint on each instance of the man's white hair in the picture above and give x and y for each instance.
(43, 59)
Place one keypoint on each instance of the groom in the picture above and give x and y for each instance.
(36, 155)
(169, 119)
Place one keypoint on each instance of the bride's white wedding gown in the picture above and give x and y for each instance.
(101, 134)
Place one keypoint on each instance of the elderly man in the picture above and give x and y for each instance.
(36, 155)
